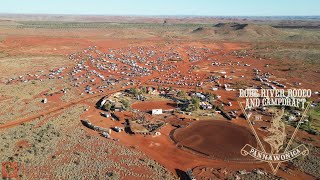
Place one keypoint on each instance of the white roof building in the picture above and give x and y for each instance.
(156, 111)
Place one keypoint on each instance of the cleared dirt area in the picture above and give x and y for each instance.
(217, 139)
(149, 105)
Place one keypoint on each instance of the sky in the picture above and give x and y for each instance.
(164, 7)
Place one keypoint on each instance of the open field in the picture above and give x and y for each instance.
(222, 140)
(148, 106)
(55, 71)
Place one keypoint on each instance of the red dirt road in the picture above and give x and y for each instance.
(53, 110)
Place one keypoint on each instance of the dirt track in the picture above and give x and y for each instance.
(27, 119)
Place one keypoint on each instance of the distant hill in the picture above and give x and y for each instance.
(7, 22)
(238, 30)
(232, 26)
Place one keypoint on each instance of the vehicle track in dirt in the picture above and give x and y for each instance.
(48, 112)
(64, 106)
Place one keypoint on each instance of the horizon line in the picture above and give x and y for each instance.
(140, 15)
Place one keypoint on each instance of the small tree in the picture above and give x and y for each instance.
(134, 91)
(125, 103)
(138, 116)
(182, 94)
(196, 102)
(143, 89)
(107, 106)
(211, 97)
(139, 93)
(190, 107)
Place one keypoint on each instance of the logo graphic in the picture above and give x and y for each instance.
(9, 170)
(274, 147)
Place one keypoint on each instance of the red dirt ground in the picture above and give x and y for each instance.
(165, 151)
(149, 105)
(159, 148)
(219, 139)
